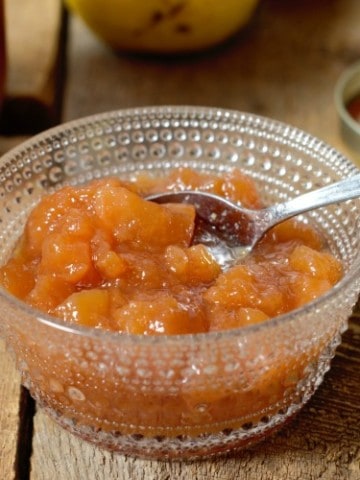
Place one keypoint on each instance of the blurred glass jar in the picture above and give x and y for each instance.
(347, 103)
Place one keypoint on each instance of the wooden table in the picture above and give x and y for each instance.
(284, 65)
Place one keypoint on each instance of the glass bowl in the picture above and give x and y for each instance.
(184, 396)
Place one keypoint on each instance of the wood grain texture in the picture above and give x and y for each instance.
(9, 413)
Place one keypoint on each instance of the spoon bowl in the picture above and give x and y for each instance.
(231, 231)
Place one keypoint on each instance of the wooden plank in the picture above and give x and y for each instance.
(35, 32)
(322, 442)
(13, 412)
(9, 413)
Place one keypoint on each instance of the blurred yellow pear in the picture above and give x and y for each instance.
(163, 26)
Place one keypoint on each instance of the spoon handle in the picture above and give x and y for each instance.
(336, 192)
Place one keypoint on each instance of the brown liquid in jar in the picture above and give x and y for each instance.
(353, 107)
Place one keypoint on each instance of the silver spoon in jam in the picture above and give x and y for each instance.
(231, 231)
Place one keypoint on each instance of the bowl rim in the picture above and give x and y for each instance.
(120, 338)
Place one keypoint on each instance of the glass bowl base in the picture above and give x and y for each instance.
(182, 447)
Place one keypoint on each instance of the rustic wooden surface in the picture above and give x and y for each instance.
(9, 401)
(284, 65)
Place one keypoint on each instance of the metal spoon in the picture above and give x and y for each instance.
(231, 231)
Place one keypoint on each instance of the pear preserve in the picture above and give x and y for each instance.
(101, 256)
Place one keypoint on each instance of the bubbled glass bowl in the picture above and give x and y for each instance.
(185, 396)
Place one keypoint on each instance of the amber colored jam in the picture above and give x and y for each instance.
(102, 256)
(353, 107)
